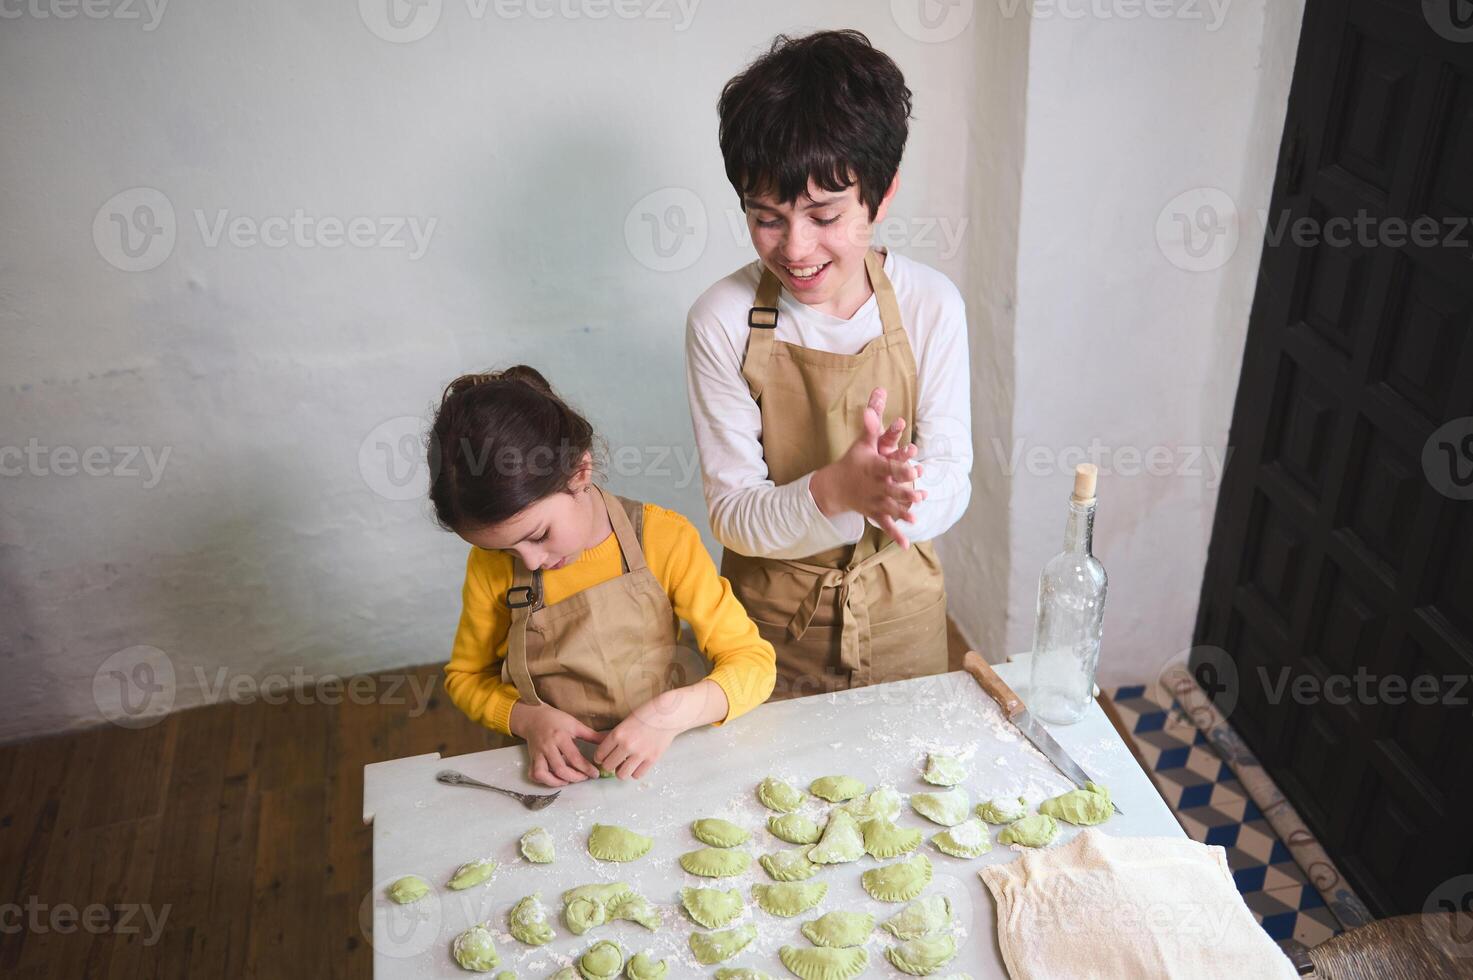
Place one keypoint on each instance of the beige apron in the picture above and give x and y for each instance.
(602, 652)
(859, 614)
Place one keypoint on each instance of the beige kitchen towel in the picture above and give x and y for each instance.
(1104, 906)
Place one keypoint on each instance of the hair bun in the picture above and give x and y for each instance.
(523, 373)
(526, 375)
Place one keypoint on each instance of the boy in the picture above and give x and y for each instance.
(828, 382)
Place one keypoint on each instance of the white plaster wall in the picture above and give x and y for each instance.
(266, 373)
(1114, 342)
(976, 552)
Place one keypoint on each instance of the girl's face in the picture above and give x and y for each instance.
(816, 244)
(550, 533)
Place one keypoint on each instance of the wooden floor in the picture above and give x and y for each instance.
(239, 827)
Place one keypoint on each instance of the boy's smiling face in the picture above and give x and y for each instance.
(816, 244)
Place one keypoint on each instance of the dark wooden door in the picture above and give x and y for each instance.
(1343, 540)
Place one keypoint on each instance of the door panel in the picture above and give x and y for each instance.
(1335, 554)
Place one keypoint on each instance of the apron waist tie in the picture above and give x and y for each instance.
(854, 635)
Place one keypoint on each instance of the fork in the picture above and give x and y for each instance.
(532, 801)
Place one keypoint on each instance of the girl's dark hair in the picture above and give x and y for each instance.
(500, 443)
(827, 106)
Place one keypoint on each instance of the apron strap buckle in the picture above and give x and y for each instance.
(762, 317)
(533, 596)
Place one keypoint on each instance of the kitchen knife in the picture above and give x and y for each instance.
(1015, 711)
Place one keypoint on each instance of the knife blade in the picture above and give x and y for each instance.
(1016, 712)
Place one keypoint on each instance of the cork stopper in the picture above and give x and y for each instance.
(1085, 476)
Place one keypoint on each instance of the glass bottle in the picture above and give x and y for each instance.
(1071, 605)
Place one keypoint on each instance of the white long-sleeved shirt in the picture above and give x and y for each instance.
(751, 515)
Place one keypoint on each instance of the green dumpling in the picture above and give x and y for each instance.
(1083, 807)
(716, 862)
(635, 908)
(536, 845)
(603, 961)
(506, 975)
(643, 966)
(410, 888)
(943, 770)
(898, 882)
(789, 898)
(883, 803)
(607, 843)
(713, 947)
(825, 963)
(841, 842)
(839, 929)
(588, 905)
(473, 873)
(527, 922)
(884, 840)
(923, 955)
(920, 917)
(742, 973)
(836, 789)
(1004, 809)
(1035, 831)
(967, 839)
(475, 950)
(777, 795)
(948, 809)
(789, 865)
(566, 973)
(794, 828)
(711, 907)
(718, 833)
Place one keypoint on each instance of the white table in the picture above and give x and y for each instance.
(878, 734)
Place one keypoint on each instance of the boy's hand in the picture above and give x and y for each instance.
(874, 478)
(550, 733)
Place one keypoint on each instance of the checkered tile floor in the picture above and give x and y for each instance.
(1215, 809)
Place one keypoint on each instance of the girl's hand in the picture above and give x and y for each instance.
(551, 749)
(631, 747)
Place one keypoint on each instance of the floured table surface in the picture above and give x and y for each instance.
(880, 735)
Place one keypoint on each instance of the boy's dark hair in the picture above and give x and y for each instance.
(500, 443)
(828, 106)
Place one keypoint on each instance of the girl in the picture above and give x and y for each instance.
(573, 596)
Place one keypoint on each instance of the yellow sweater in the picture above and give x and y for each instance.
(743, 663)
